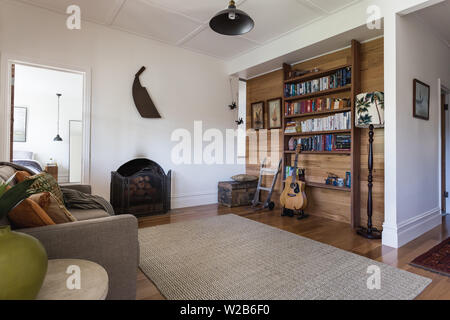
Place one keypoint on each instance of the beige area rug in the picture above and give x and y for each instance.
(233, 258)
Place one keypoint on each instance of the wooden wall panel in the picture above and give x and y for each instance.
(329, 203)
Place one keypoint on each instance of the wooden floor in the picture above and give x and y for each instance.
(336, 234)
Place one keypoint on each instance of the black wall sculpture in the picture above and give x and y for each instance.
(142, 99)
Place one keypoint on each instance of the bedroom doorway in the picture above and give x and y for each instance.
(46, 123)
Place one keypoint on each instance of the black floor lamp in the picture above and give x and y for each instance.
(370, 114)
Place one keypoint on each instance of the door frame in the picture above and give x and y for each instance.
(6, 62)
(444, 190)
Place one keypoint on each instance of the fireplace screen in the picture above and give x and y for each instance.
(140, 187)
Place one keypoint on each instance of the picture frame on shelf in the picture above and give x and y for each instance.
(421, 100)
(258, 115)
(274, 113)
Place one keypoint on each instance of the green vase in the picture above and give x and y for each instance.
(23, 265)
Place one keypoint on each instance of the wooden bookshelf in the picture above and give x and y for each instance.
(348, 92)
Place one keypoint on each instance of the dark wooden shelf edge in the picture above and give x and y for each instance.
(318, 94)
(317, 133)
(322, 152)
(318, 113)
(315, 75)
(326, 186)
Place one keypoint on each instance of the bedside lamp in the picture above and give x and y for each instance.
(370, 114)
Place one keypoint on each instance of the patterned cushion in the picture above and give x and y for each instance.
(46, 183)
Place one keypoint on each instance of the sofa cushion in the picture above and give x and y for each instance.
(55, 210)
(6, 172)
(82, 215)
(29, 214)
(21, 176)
(46, 183)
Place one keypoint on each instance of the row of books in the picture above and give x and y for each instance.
(315, 105)
(330, 142)
(340, 121)
(341, 78)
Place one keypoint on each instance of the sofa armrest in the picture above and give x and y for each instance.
(85, 188)
(111, 242)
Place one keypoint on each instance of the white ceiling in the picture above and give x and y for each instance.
(184, 23)
(438, 17)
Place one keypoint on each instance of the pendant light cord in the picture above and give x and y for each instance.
(57, 124)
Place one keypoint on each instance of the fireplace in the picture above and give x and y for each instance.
(141, 187)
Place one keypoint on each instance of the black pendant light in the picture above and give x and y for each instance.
(58, 137)
(232, 21)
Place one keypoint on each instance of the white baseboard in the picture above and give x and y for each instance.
(193, 200)
(399, 235)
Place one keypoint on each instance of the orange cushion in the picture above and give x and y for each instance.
(21, 176)
(54, 209)
(29, 214)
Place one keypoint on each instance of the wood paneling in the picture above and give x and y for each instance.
(328, 203)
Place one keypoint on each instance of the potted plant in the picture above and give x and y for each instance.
(23, 259)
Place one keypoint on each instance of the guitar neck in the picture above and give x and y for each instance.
(294, 178)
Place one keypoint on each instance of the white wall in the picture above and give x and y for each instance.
(36, 88)
(185, 87)
(421, 55)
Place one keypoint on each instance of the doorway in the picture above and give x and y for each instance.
(47, 125)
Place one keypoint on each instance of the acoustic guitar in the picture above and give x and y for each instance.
(294, 196)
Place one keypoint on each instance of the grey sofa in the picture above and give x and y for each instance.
(111, 241)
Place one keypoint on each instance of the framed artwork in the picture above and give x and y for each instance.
(274, 113)
(421, 106)
(20, 124)
(258, 115)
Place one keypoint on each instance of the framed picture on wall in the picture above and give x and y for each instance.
(421, 107)
(274, 113)
(258, 115)
(20, 124)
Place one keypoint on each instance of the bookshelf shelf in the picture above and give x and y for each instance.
(338, 152)
(354, 154)
(326, 186)
(315, 75)
(316, 133)
(319, 94)
(318, 113)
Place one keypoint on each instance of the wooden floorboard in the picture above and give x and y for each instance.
(334, 233)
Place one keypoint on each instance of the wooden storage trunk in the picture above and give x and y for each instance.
(236, 194)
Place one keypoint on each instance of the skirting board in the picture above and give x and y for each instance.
(404, 232)
(193, 200)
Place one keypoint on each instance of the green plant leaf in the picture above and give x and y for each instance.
(14, 196)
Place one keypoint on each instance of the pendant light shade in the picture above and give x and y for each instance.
(58, 137)
(232, 21)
